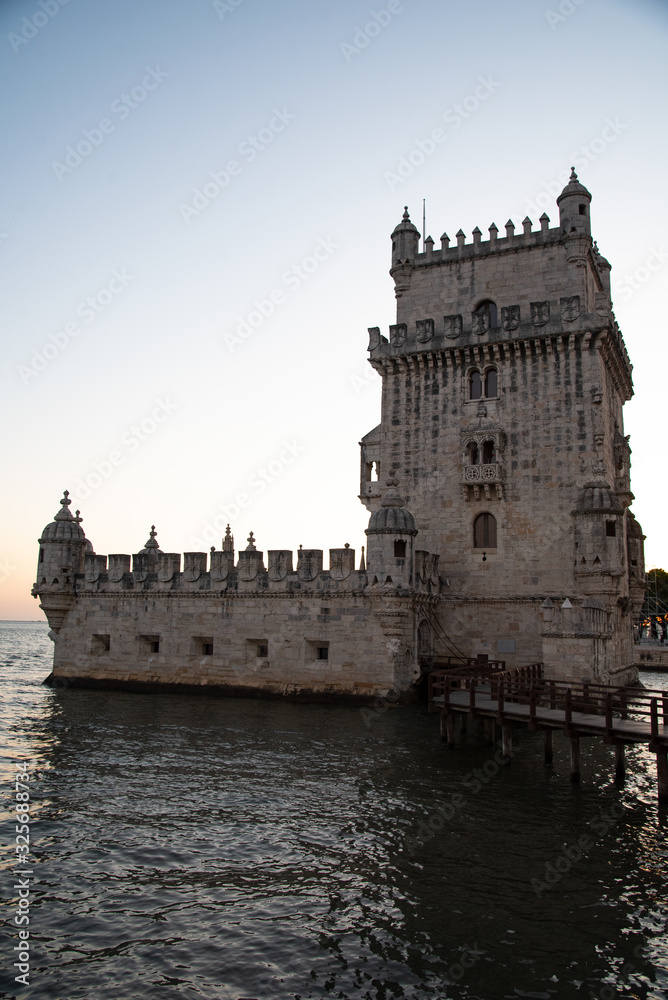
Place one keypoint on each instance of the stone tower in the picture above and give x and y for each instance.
(504, 379)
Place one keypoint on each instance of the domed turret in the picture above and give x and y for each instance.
(150, 554)
(390, 547)
(62, 548)
(599, 533)
(574, 202)
(405, 241)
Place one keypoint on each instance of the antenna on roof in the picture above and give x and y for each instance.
(424, 225)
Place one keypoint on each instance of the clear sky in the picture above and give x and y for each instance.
(198, 198)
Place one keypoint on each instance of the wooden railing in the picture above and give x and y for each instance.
(526, 686)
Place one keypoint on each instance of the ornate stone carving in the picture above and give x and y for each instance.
(570, 308)
(453, 326)
(280, 564)
(481, 322)
(398, 335)
(510, 317)
(540, 313)
(425, 330)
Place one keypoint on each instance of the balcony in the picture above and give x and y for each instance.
(482, 480)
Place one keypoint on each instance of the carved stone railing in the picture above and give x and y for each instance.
(482, 473)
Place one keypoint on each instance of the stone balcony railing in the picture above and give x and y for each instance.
(485, 480)
(482, 473)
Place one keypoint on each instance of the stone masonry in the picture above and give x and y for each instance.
(498, 487)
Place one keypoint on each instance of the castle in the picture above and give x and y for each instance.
(498, 489)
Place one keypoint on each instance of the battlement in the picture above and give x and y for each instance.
(512, 241)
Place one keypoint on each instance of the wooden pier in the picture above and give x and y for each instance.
(619, 716)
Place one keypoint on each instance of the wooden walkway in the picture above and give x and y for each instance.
(619, 716)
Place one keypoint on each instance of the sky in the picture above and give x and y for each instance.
(195, 233)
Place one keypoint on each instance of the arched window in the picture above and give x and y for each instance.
(472, 449)
(475, 384)
(484, 532)
(487, 314)
(488, 453)
(491, 383)
(400, 549)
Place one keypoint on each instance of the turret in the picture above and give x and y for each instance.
(390, 548)
(574, 202)
(405, 241)
(62, 550)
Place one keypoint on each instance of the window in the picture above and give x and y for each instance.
(472, 449)
(201, 646)
(487, 314)
(611, 529)
(322, 653)
(488, 453)
(263, 651)
(150, 643)
(483, 386)
(400, 550)
(484, 532)
(100, 644)
(583, 209)
(41, 555)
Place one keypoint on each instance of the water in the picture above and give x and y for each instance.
(211, 848)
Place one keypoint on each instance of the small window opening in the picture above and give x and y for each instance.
(207, 649)
(611, 529)
(400, 550)
(634, 562)
(101, 644)
(583, 209)
(473, 452)
(322, 653)
(375, 472)
(488, 310)
(475, 385)
(262, 651)
(597, 561)
(41, 555)
(491, 383)
(484, 532)
(488, 453)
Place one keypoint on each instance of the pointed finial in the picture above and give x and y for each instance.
(228, 540)
(574, 176)
(251, 543)
(362, 562)
(406, 215)
(152, 543)
(66, 499)
(63, 513)
(77, 518)
(213, 549)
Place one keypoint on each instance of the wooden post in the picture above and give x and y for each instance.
(549, 751)
(575, 758)
(507, 739)
(620, 763)
(662, 776)
(450, 729)
(489, 731)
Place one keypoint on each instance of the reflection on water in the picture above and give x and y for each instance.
(214, 848)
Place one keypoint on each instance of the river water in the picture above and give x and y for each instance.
(217, 848)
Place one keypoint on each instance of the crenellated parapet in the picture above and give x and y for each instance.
(153, 571)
